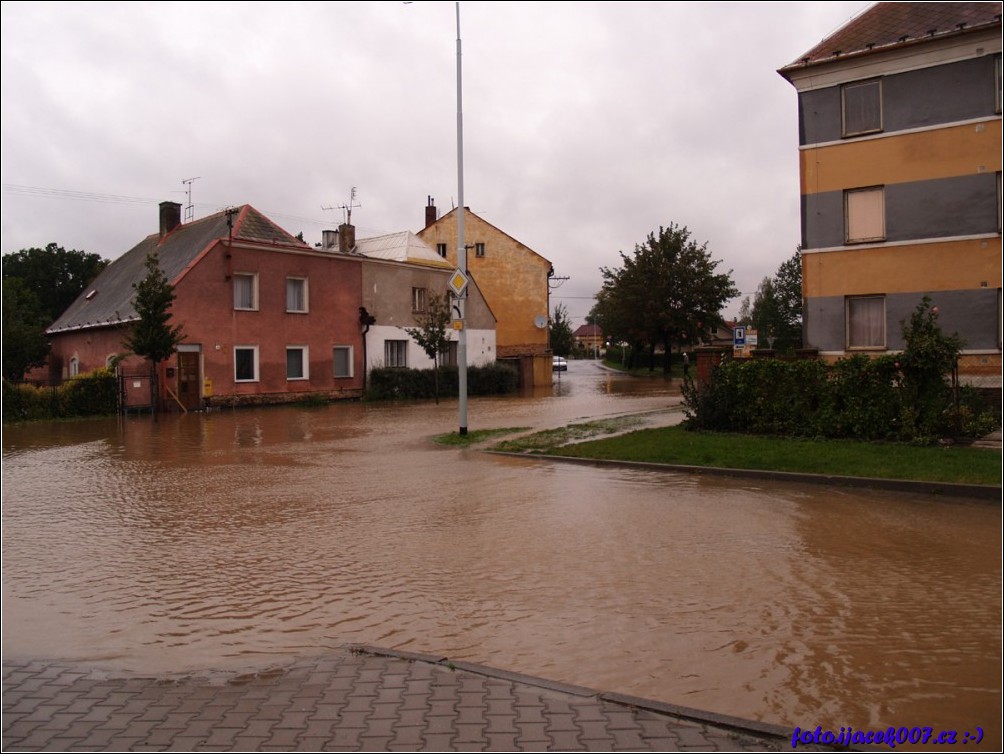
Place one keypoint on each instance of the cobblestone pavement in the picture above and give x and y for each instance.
(356, 699)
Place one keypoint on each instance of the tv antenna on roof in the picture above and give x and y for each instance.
(347, 207)
(189, 208)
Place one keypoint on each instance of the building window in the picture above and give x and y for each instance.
(448, 356)
(861, 107)
(864, 215)
(865, 322)
(418, 299)
(342, 356)
(297, 363)
(296, 295)
(479, 249)
(441, 250)
(74, 366)
(245, 363)
(246, 291)
(395, 353)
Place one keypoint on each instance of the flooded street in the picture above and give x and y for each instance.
(238, 539)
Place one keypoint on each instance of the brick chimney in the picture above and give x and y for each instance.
(346, 237)
(170, 217)
(430, 213)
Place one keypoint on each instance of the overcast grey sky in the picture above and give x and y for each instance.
(587, 125)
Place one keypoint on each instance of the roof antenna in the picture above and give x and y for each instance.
(348, 207)
(189, 208)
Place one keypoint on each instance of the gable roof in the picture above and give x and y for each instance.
(588, 331)
(108, 300)
(889, 25)
(467, 211)
(401, 247)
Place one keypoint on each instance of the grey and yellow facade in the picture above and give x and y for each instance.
(899, 117)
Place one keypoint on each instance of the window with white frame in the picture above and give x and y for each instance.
(296, 295)
(441, 250)
(74, 366)
(864, 215)
(297, 363)
(395, 353)
(342, 358)
(479, 249)
(246, 291)
(418, 299)
(245, 363)
(861, 107)
(865, 322)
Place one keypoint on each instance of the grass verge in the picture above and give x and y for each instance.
(675, 445)
(478, 435)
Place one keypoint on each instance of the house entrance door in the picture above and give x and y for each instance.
(189, 384)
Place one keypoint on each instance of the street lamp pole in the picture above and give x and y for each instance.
(461, 246)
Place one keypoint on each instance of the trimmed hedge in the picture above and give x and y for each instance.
(399, 383)
(91, 394)
(858, 397)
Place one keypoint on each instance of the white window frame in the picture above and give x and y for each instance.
(858, 87)
(418, 299)
(253, 276)
(876, 343)
(304, 363)
(441, 250)
(856, 203)
(479, 250)
(74, 369)
(395, 353)
(350, 362)
(254, 363)
(304, 295)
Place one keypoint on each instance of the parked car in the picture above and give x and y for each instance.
(559, 364)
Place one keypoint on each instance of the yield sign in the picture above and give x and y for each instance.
(458, 282)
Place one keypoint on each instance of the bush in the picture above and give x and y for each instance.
(905, 397)
(91, 394)
(397, 383)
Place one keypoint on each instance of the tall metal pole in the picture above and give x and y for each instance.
(461, 246)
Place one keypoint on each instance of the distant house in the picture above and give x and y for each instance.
(265, 316)
(513, 279)
(400, 273)
(899, 124)
(589, 337)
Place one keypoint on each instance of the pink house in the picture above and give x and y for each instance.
(266, 317)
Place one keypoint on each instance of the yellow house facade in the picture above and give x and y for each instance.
(899, 120)
(513, 279)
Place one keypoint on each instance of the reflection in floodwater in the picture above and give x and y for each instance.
(235, 539)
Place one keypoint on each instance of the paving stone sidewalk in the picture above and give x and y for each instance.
(355, 699)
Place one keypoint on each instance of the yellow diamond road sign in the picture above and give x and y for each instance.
(458, 282)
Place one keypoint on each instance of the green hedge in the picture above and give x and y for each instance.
(398, 383)
(858, 397)
(91, 394)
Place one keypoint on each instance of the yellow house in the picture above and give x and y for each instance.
(899, 123)
(513, 279)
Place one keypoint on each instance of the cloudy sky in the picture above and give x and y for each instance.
(587, 125)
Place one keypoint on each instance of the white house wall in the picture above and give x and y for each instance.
(480, 347)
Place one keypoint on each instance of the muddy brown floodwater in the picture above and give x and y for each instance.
(240, 539)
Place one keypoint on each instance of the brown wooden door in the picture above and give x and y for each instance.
(189, 384)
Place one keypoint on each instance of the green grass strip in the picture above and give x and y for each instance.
(479, 435)
(675, 445)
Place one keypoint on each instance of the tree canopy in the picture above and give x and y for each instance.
(668, 292)
(562, 339)
(152, 336)
(56, 276)
(25, 345)
(776, 314)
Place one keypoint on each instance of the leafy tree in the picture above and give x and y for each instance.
(152, 335)
(24, 342)
(562, 338)
(667, 292)
(432, 334)
(56, 276)
(777, 307)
